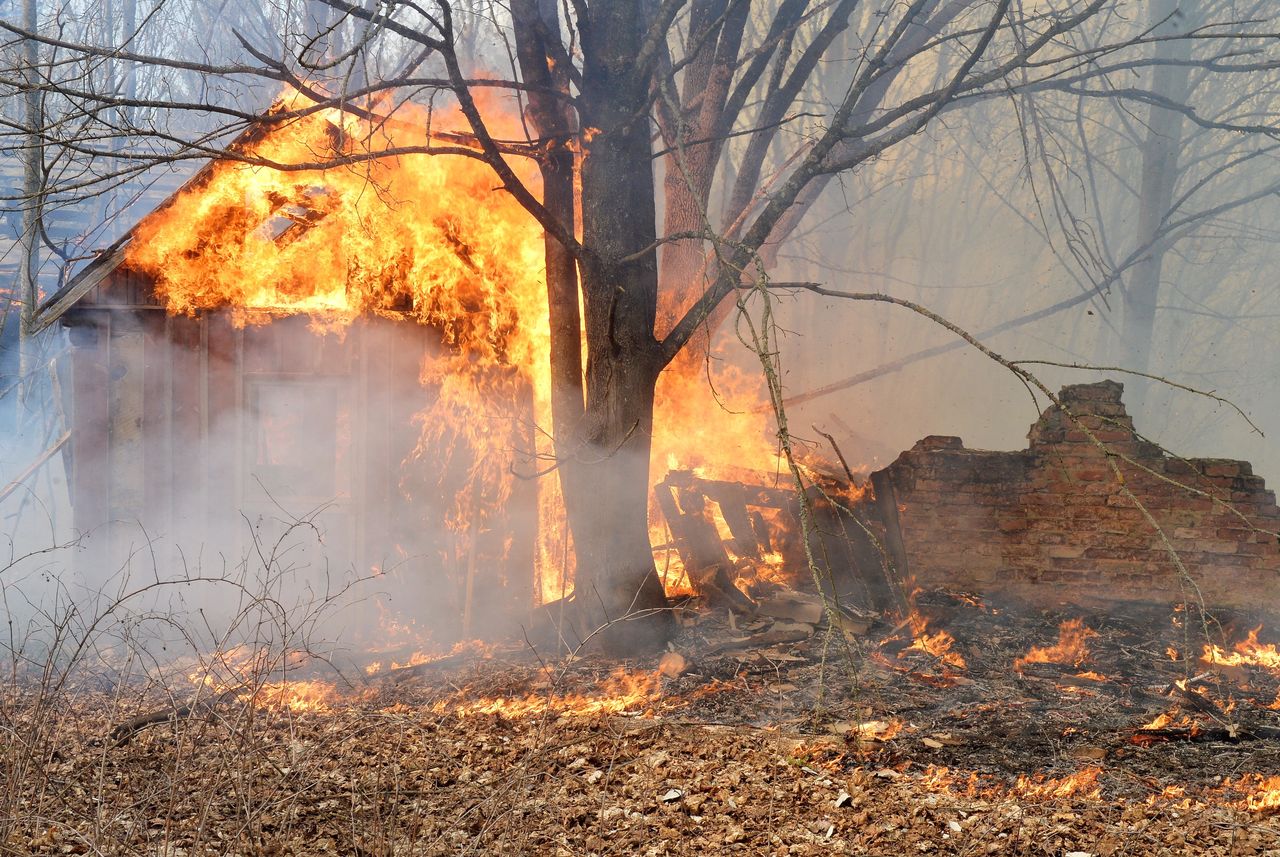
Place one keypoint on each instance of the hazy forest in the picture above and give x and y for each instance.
(445, 426)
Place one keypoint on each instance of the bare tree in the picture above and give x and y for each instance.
(29, 259)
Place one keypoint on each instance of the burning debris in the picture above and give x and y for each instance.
(1072, 648)
(463, 728)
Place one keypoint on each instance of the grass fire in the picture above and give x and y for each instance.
(435, 428)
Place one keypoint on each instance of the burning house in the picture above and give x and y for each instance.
(346, 348)
(359, 348)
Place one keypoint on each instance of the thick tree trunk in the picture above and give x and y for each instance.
(616, 584)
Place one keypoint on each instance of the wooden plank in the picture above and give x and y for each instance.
(692, 530)
(732, 500)
(79, 285)
(90, 487)
(887, 510)
(754, 495)
(375, 474)
(186, 446)
(127, 451)
(222, 431)
(157, 482)
(262, 349)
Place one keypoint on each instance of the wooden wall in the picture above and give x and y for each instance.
(161, 438)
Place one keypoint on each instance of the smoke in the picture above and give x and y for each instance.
(958, 222)
(308, 505)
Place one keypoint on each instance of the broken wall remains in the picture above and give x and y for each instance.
(1064, 519)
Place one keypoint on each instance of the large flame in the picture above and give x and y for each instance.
(428, 238)
(1247, 652)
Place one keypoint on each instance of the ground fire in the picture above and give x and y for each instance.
(763, 603)
(434, 466)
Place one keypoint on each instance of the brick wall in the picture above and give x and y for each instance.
(1055, 522)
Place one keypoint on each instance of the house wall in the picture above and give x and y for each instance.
(1055, 522)
(170, 417)
(163, 430)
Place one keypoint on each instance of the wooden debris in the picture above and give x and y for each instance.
(672, 664)
(796, 606)
(122, 733)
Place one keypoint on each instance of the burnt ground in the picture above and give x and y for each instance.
(763, 738)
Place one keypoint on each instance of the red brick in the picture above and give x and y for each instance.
(1217, 546)
(1015, 521)
(1221, 468)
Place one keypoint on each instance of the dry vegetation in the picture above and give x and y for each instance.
(737, 746)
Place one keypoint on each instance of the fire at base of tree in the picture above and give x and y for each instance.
(442, 427)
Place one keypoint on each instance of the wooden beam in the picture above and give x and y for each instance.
(34, 466)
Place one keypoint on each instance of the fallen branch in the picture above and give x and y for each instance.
(34, 466)
(122, 733)
(1232, 734)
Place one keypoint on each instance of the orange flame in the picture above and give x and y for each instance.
(621, 691)
(1083, 783)
(1071, 649)
(429, 239)
(1265, 796)
(1247, 652)
(295, 696)
(938, 644)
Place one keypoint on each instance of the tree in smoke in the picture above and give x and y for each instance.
(727, 119)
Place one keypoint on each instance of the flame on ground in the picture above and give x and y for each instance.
(295, 696)
(622, 691)
(1263, 794)
(1072, 648)
(1247, 652)
(938, 644)
(1083, 783)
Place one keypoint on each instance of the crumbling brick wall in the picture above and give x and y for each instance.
(1056, 523)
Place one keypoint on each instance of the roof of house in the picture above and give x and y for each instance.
(109, 258)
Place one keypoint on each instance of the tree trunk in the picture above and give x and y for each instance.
(1159, 175)
(553, 120)
(32, 184)
(607, 486)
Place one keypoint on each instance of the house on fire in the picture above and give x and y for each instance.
(207, 406)
(193, 429)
